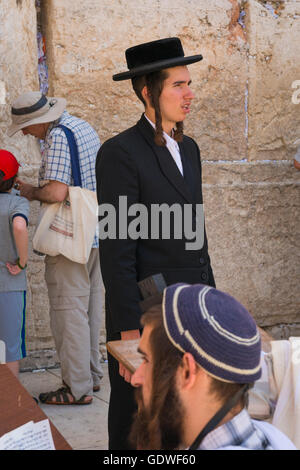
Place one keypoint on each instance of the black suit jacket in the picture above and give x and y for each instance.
(132, 165)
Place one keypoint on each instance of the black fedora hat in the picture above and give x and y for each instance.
(153, 56)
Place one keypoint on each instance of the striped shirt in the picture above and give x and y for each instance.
(56, 158)
(240, 431)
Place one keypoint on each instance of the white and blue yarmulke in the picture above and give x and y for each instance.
(216, 329)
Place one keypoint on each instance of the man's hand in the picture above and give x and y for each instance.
(26, 189)
(53, 191)
(125, 336)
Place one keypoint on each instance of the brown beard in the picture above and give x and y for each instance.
(161, 429)
(139, 435)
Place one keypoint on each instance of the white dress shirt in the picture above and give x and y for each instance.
(172, 146)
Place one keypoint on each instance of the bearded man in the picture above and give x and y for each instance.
(201, 353)
(153, 164)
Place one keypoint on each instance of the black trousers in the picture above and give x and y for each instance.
(122, 407)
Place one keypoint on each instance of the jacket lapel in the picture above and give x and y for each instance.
(191, 171)
(165, 161)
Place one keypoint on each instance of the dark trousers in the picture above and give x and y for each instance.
(122, 407)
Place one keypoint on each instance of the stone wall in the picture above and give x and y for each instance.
(18, 74)
(242, 117)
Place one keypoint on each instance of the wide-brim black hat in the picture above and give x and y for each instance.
(154, 56)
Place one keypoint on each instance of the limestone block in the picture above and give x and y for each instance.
(18, 70)
(18, 74)
(279, 332)
(274, 48)
(86, 44)
(253, 231)
(40, 359)
(242, 111)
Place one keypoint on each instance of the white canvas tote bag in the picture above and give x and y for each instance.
(68, 228)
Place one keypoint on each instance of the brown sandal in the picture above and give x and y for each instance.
(62, 397)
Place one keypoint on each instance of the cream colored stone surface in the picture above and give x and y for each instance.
(86, 45)
(18, 74)
(243, 119)
(252, 216)
(274, 51)
(242, 113)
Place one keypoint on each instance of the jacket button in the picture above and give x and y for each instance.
(204, 276)
(202, 261)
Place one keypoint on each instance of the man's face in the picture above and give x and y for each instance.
(36, 130)
(176, 96)
(166, 407)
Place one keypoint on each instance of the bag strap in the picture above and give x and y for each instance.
(217, 418)
(74, 155)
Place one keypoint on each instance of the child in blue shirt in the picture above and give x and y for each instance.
(14, 211)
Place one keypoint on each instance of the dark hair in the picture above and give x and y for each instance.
(223, 391)
(6, 185)
(154, 82)
(166, 360)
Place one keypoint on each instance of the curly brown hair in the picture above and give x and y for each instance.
(154, 82)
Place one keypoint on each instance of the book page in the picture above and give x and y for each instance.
(30, 436)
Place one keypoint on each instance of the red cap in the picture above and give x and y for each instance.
(8, 164)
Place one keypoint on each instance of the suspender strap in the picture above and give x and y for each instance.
(74, 155)
(212, 424)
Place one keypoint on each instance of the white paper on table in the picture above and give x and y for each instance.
(30, 436)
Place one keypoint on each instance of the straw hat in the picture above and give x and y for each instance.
(34, 108)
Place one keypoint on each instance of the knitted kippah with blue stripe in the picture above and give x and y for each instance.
(216, 329)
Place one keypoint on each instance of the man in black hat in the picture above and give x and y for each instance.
(152, 164)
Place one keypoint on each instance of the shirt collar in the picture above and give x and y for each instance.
(169, 139)
(232, 433)
(55, 124)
